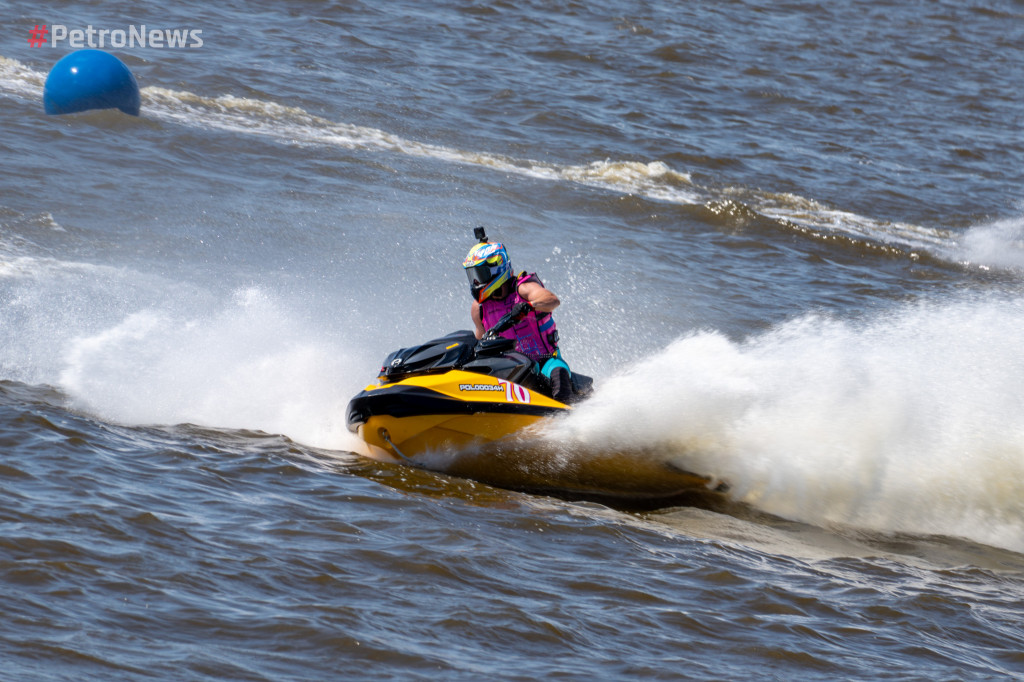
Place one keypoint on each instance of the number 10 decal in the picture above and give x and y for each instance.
(514, 393)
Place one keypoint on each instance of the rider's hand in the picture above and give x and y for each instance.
(521, 310)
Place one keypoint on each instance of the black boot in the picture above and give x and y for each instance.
(561, 385)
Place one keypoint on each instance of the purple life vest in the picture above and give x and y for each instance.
(535, 335)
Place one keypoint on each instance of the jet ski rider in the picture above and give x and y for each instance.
(498, 291)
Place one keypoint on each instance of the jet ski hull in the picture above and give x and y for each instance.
(444, 412)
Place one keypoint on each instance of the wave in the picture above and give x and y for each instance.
(294, 125)
(653, 180)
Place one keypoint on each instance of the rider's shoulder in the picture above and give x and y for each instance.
(528, 278)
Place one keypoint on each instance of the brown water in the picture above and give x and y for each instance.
(788, 241)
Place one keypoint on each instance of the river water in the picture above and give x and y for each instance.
(789, 242)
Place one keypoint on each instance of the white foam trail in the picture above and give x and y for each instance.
(815, 215)
(653, 180)
(20, 81)
(911, 422)
(293, 125)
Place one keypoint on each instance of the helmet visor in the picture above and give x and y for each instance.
(483, 273)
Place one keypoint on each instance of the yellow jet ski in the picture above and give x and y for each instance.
(451, 394)
(467, 408)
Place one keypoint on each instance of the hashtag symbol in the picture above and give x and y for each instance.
(38, 36)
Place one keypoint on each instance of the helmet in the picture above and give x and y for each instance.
(488, 268)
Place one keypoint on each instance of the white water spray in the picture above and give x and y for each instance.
(998, 244)
(250, 365)
(910, 422)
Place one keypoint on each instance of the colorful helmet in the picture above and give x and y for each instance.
(488, 268)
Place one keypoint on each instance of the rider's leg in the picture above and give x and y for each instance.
(558, 373)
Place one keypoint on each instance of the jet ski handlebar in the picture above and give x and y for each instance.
(492, 342)
(508, 320)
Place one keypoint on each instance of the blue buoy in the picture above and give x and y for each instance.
(90, 79)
